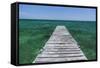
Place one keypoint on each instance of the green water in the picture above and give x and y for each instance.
(33, 35)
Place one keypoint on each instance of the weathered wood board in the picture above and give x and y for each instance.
(60, 47)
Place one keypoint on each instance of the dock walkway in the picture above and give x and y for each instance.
(60, 47)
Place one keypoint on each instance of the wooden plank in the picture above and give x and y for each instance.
(61, 52)
(58, 55)
(60, 47)
(63, 59)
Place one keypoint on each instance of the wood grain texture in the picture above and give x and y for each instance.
(60, 47)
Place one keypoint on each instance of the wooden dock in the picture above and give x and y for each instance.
(60, 47)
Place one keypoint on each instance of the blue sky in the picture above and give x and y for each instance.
(56, 13)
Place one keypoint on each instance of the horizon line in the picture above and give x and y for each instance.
(57, 19)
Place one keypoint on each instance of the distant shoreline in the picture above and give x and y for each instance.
(57, 20)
